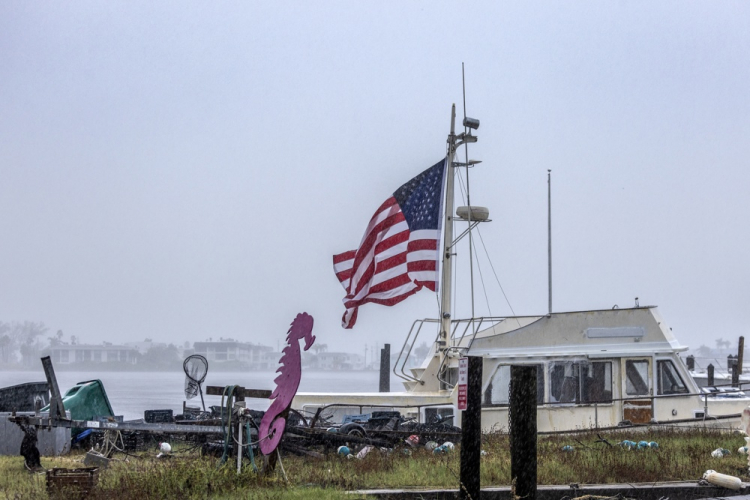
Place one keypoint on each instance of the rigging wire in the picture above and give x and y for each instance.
(481, 276)
(497, 279)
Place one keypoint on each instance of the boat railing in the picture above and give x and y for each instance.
(462, 335)
(399, 366)
(457, 345)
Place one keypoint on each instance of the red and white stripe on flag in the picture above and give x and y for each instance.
(390, 264)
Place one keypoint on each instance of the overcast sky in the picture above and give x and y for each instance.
(186, 170)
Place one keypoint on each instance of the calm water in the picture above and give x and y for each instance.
(131, 393)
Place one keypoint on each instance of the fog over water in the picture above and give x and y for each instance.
(182, 170)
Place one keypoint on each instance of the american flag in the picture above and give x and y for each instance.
(399, 252)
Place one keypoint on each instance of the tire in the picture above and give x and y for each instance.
(351, 429)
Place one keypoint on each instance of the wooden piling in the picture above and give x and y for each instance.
(471, 432)
(522, 416)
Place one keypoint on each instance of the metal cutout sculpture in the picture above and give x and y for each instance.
(274, 421)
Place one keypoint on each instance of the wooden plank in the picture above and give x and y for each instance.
(239, 391)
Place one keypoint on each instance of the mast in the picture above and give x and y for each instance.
(454, 142)
(447, 273)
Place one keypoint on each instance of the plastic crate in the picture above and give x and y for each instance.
(133, 441)
(71, 483)
(158, 416)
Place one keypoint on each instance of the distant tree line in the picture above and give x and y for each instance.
(22, 344)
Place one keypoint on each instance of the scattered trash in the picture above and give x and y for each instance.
(332, 429)
(723, 480)
(642, 445)
(430, 445)
(449, 445)
(629, 445)
(412, 440)
(602, 440)
(343, 450)
(406, 451)
(567, 447)
(654, 445)
(742, 450)
(483, 453)
(719, 453)
(364, 451)
(96, 459)
(164, 450)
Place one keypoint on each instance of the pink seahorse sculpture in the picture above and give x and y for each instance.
(273, 422)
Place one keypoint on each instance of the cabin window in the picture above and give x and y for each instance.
(580, 382)
(668, 379)
(636, 377)
(497, 392)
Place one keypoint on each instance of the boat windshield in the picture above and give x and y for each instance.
(580, 382)
(497, 392)
(668, 379)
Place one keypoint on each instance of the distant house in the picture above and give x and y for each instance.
(84, 353)
(145, 345)
(233, 350)
(339, 361)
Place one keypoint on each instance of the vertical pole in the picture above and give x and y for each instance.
(549, 237)
(239, 449)
(691, 363)
(239, 402)
(735, 376)
(740, 354)
(445, 282)
(710, 375)
(471, 432)
(385, 368)
(523, 464)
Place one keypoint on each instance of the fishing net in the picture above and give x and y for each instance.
(196, 367)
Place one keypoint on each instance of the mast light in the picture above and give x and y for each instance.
(472, 123)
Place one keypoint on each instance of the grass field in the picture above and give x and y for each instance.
(681, 456)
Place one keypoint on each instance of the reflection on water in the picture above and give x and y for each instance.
(131, 393)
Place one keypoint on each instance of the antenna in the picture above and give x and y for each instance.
(549, 236)
(468, 197)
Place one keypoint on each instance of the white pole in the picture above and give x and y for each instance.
(445, 282)
(239, 448)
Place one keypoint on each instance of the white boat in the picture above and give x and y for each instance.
(595, 369)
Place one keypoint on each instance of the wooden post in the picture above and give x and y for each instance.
(731, 360)
(690, 363)
(710, 375)
(471, 432)
(522, 416)
(385, 368)
(56, 406)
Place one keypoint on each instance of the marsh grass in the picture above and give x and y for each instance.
(683, 455)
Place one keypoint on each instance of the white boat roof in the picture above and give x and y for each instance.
(594, 334)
